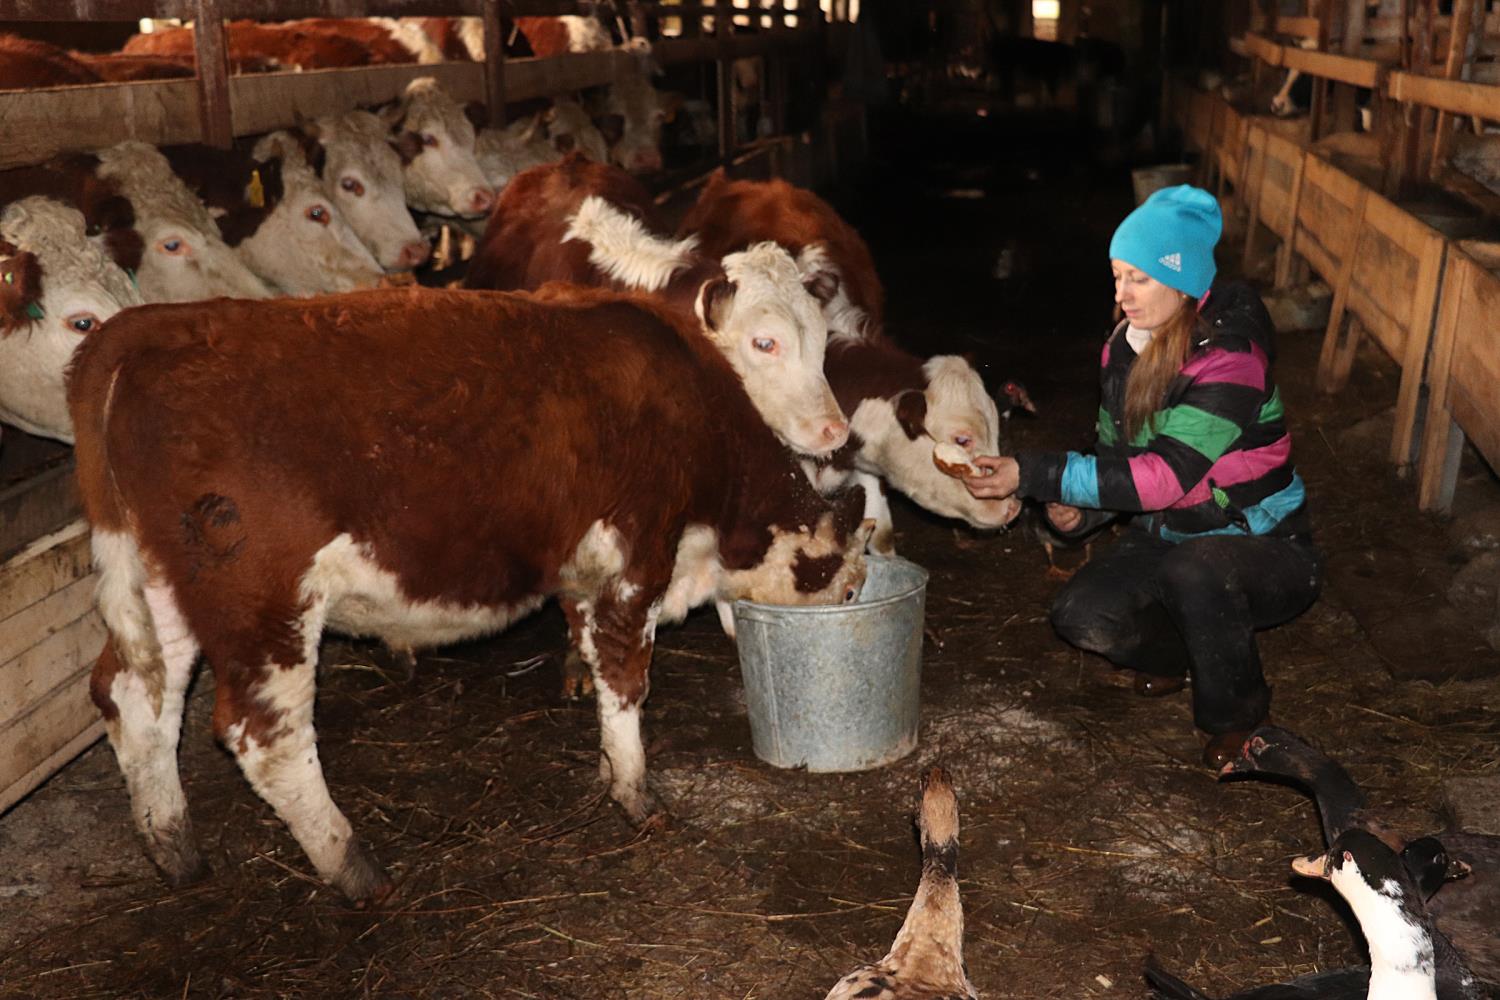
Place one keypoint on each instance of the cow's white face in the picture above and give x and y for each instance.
(767, 323)
(362, 176)
(80, 289)
(304, 247)
(443, 177)
(182, 264)
(644, 110)
(898, 446)
(569, 127)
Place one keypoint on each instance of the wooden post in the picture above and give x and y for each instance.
(1465, 30)
(1337, 356)
(1354, 38)
(212, 53)
(723, 30)
(494, 63)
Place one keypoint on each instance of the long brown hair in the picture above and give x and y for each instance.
(1158, 364)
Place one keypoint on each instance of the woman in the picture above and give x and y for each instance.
(1193, 451)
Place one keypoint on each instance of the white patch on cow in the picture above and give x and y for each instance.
(906, 464)
(185, 259)
(845, 319)
(1401, 953)
(725, 611)
(304, 246)
(598, 560)
(775, 338)
(409, 34)
(773, 581)
(624, 249)
(283, 766)
(877, 509)
(586, 34)
(81, 287)
(362, 176)
(122, 576)
(623, 761)
(471, 33)
(365, 599)
(444, 178)
(696, 573)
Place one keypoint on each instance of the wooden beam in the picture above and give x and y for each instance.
(1328, 66)
(1455, 97)
(494, 63)
(1263, 49)
(277, 10)
(211, 50)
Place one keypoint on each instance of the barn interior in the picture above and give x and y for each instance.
(985, 151)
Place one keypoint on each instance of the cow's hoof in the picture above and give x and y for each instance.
(642, 807)
(175, 853)
(577, 678)
(186, 869)
(361, 880)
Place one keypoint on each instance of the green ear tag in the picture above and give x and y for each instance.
(34, 310)
(10, 277)
(131, 275)
(1220, 497)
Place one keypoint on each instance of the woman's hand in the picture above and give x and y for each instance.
(1064, 517)
(1002, 476)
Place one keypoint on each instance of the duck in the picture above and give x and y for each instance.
(1465, 901)
(926, 961)
(1409, 958)
(1037, 525)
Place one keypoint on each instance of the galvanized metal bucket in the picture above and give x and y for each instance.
(837, 688)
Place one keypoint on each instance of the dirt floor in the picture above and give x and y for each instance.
(1091, 834)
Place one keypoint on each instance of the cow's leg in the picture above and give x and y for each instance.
(878, 508)
(616, 641)
(139, 684)
(264, 714)
(577, 676)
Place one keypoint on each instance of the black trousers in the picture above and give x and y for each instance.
(1192, 607)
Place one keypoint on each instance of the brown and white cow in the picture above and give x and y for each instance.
(184, 258)
(359, 166)
(641, 111)
(26, 64)
(74, 179)
(274, 45)
(276, 216)
(555, 36)
(441, 175)
(56, 288)
(588, 223)
(468, 477)
(900, 407)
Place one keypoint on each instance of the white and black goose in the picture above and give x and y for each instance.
(1409, 959)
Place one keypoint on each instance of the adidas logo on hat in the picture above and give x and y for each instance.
(1173, 261)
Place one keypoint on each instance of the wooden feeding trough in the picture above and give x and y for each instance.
(1273, 184)
(1464, 374)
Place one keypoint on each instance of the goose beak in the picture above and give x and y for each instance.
(1314, 866)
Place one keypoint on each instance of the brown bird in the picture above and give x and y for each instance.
(926, 962)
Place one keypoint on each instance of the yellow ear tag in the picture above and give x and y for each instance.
(257, 192)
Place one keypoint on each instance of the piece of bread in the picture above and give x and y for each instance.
(952, 460)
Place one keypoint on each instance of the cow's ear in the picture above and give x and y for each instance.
(822, 284)
(911, 413)
(20, 287)
(307, 126)
(611, 126)
(714, 300)
(407, 145)
(477, 113)
(393, 114)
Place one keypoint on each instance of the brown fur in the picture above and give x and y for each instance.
(730, 215)
(443, 33)
(290, 47)
(522, 246)
(118, 67)
(71, 179)
(546, 35)
(873, 369)
(26, 64)
(219, 177)
(384, 50)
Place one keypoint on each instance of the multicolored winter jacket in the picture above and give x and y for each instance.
(1216, 459)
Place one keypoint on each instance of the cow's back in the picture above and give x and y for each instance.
(732, 214)
(445, 430)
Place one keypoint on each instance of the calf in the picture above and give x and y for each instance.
(275, 214)
(359, 166)
(583, 222)
(468, 477)
(56, 288)
(641, 110)
(185, 258)
(439, 171)
(900, 407)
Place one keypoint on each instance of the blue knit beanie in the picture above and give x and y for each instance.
(1171, 237)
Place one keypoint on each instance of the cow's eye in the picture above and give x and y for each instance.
(318, 214)
(850, 594)
(766, 345)
(353, 186)
(428, 139)
(173, 246)
(83, 322)
(962, 440)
